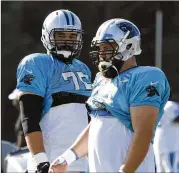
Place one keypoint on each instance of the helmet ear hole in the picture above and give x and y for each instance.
(129, 46)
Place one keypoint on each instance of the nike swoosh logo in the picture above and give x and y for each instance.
(153, 83)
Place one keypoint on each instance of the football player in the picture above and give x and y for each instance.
(53, 88)
(126, 104)
(166, 141)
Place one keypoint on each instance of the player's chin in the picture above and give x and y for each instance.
(109, 73)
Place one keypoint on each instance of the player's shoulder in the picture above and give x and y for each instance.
(145, 75)
(145, 72)
(139, 74)
(148, 70)
(36, 58)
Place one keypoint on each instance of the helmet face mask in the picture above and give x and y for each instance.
(69, 41)
(106, 50)
(107, 57)
(62, 34)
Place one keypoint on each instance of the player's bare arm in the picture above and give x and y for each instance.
(143, 121)
(81, 144)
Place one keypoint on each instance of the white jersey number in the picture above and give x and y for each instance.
(75, 78)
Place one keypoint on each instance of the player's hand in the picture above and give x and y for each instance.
(43, 167)
(59, 165)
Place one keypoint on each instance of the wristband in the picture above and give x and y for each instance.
(40, 157)
(69, 156)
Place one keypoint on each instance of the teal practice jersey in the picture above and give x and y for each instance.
(44, 75)
(137, 86)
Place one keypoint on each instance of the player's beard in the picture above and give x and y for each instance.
(109, 73)
(114, 70)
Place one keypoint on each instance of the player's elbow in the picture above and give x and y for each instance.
(145, 133)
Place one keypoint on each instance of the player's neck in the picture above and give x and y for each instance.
(129, 64)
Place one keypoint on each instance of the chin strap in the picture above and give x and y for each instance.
(115, 69)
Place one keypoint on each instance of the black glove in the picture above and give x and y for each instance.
(43, 167)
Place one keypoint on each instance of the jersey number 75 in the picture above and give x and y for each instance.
(77, 79)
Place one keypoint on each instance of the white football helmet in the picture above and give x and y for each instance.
(122, 32)
(62, 21)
